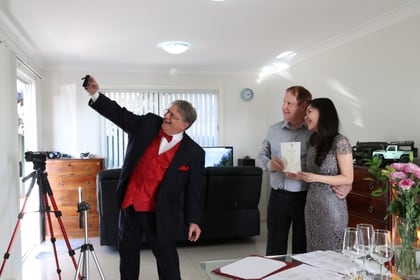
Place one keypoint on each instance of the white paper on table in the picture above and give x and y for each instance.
(327, 260)
(305, 272)
(252, 267)
(290, 155)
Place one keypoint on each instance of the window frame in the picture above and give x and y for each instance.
(205, 130)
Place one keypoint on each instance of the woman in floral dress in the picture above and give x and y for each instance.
(329, 163)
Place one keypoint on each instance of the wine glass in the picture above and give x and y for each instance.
(367, 236)
(382, 250)
(352, 246)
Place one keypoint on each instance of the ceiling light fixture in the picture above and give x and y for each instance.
(175, 47)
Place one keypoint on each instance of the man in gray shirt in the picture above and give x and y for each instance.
(287, 197)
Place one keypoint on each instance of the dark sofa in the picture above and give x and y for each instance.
(231, 197)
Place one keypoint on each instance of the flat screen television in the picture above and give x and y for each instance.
(218, 156)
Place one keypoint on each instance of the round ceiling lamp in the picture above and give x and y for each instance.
(175, 47)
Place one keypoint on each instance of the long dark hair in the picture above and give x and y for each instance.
(328, 127)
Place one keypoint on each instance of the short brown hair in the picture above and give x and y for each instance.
(302, 94)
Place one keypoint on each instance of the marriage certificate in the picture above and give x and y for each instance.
(290, 155)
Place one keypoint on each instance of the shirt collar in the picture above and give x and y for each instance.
(286, 124)
(178, 136)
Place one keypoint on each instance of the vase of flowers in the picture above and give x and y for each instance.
(405, 240)
(401, 181)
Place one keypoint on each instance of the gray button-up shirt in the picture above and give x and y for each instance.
(278, 133)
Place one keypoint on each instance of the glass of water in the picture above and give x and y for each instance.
(382, 249)
(353, 247)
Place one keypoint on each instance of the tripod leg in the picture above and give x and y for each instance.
(52, 238)
(20, 217)
(83, 207)
(85, 259)
(81, 258)
(43, 181)
(98, 266)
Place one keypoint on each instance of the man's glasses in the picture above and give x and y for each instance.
(172, 115)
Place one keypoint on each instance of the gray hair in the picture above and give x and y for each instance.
(187, 111)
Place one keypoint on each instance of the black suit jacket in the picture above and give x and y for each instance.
(183, 176)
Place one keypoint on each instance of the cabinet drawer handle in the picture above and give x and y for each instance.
(371, 186)
(371, 209)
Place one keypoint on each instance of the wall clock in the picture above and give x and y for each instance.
(247, 94)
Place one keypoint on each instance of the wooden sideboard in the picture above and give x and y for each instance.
(362, 206)
(65, 177)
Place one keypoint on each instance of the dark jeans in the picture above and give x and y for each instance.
(133, 225)
(285, 209)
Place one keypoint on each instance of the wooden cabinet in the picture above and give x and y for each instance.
(362, 206)
(65, 177)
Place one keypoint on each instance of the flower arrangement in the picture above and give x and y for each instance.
(401, 181)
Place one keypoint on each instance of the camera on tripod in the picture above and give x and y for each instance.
(35, 156)
(41, 156)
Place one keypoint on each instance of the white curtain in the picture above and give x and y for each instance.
(9, 176)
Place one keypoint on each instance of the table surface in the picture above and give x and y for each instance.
(209, 266)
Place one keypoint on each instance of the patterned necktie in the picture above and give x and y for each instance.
(163, 134)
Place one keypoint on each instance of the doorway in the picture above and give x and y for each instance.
(30, 227)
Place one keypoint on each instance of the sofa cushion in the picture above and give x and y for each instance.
(106, 191)
(233, 187)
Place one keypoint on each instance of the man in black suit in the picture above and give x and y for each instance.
(156, 171)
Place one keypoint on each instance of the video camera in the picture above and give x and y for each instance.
(35, 156)
(41, 156)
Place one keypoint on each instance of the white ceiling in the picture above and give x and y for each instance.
(239, 36)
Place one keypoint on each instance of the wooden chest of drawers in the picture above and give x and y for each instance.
(65, 177)
(362, 206)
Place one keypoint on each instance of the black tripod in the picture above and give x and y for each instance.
(40, 175)
(83, 263)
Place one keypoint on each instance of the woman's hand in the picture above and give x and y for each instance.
(306, 176)
(291, 175)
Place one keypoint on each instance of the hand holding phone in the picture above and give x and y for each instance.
(86, 80)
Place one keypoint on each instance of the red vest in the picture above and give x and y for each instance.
(146, 177)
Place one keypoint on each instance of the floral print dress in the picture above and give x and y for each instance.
(326, 215)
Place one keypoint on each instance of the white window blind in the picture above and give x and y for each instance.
(204, 130)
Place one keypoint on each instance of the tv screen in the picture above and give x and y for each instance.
(219, 156)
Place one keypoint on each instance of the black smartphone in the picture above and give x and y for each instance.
(86, 80)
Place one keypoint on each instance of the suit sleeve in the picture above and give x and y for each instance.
(120, 116)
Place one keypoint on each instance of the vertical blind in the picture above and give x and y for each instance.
(204, 131)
